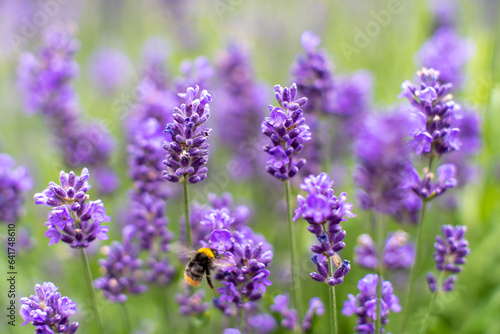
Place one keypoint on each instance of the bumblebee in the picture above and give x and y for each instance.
(203, 262)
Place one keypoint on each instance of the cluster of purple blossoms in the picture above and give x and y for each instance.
(14, 182)
(434, 112)
(187, 149)
(383, 158)
(121, 269)
(74, 219)
(109, 69)
(432, 132)
(398, 252)
(246, 278)
(241, 102)
(48, 311)
(324, 211)
(192, 303)
(426, 188)
(364, 304)
(45, 81)
(446, 52)
(197, 72)
(290, 318)
(449, 255)
(312, 72)
(150, 192)
(288, 131)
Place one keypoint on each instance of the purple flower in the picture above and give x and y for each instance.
(449, 255)
(121, 272)
(312, 72)
(192, 303)
(316, 308)
(240, 106)
(398, 253)
(446, 52)
(187, 149)
(425, 188)
(14, 182)
(220, 240)
(45, 82)
(48, 311)
(432, 104)
(324, 212)
(382, 158)
(74, 219)
(364, 304)
(289, 317)
(109, 69)
(263, 323)
(194, 73)
(287, 130)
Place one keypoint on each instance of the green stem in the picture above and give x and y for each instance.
(334, 329)
(186, 212)
(296, 293)
(128, 325)
(434, 296)
(92, 294)
(413, 274)
(380, 249)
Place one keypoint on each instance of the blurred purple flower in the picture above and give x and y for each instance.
(449, 255)
(191, 303)
(397, 253)
(14, 182)
(446, 52)
(109, 69)
(364, 304)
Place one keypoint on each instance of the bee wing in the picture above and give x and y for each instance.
(182, 251)
(223, 263)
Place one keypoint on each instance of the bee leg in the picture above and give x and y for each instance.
(209, 282)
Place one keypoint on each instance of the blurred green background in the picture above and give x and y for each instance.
(271, 29)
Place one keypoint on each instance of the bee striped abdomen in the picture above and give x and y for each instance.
(198, 266)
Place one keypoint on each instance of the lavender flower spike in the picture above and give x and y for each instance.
(364, 304)
(434, 112)
(121, 268)
(324, 212)
(187, 149)
(74, 219)
(288, 131)
(398, 253)
(13, 183)
(48, 311)
(449, 255)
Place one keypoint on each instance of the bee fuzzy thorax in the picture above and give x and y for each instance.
(207, 251)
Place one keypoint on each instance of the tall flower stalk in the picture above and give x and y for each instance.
(324, 211)
(187, 149)
(432, 136)
(288, 131)
(75, 220)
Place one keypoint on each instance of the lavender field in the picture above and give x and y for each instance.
(230, 166)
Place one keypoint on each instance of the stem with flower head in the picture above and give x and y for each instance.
(296, 293)
(434, 296)
(90, 286)
(186, 212)
(418, 247)
(334, 328)
(380, 249)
